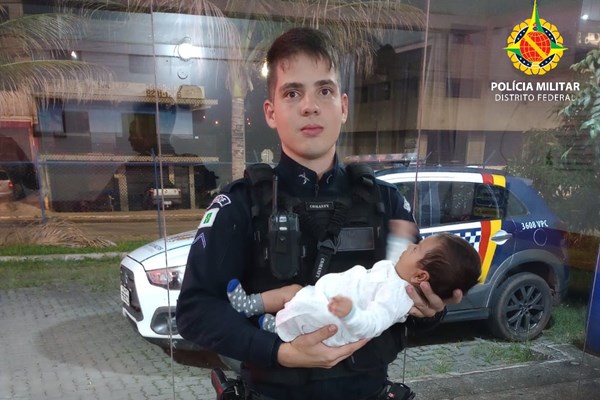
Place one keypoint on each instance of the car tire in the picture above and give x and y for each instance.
(522, 308)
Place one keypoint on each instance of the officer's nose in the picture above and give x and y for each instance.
(310, 105)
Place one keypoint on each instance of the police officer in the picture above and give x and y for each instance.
(307, 108)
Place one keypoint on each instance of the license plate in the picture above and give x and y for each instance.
(168, 202)
(125, 295)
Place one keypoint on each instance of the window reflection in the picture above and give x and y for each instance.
(164, 122)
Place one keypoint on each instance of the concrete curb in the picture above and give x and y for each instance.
(63, 257)
(117, 216)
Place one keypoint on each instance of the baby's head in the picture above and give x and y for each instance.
(445, 260)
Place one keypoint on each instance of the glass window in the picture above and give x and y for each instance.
(464, 202)
(136, 118)
(514, 206)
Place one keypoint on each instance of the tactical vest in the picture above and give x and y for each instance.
(343, 232)
(336, 233)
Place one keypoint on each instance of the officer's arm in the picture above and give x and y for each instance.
(308, 350)
(204, 314)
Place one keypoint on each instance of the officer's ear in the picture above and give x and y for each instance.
(269, 111)
(344, 107)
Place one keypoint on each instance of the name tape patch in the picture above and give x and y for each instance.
(319, 205)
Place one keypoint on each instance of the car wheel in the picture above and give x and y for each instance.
(522, 308)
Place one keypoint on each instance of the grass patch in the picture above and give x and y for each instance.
(442, 366)
(491, 352)
(98, 275)
(568, 318)
(443, 361)
(568, 323)
(37, 250)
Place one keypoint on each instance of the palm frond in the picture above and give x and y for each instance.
(29, 46)
(218, 29)
(55, 232)
(387, 14)
(359, 27)
(16, 104)
(43, 74)
(30, 33)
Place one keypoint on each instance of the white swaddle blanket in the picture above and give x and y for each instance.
(379, 300)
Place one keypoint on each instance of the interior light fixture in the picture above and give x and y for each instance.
(185, 49)
(264, 71)
(585, 17)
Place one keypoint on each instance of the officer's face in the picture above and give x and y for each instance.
(307, 109)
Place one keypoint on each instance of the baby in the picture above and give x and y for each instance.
(363, 302)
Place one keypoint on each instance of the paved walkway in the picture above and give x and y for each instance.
(59, 344)
(75, 344)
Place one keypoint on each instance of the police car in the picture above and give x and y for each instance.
(520, 241)
(522, 244)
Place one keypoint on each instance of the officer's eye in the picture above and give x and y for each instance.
(292, 94)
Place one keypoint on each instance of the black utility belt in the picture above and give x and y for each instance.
(371, 359)
(300, 376)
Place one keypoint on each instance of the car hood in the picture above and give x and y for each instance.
(177, 247)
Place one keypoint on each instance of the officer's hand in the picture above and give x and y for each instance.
(432, 303)
(308, 351)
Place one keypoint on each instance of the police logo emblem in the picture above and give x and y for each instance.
(535, 45)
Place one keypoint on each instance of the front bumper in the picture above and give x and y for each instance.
(150, 308)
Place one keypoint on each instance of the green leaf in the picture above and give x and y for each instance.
(589, 58)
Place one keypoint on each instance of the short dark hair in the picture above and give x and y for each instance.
(454, 264)
(296, 41)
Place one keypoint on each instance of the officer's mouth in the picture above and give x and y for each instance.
(311, 130)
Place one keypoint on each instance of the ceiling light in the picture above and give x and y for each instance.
(185, 49)
(264, 71)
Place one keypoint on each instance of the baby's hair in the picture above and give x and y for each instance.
(454, 264)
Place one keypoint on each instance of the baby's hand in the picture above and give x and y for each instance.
(340, 306)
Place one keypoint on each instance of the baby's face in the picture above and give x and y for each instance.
(408, 267)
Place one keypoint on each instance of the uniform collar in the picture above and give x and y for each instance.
(303, 181)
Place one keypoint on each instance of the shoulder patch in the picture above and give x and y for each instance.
(221, 200)
(209, 218)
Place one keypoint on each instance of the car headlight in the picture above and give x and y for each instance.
(168, 278)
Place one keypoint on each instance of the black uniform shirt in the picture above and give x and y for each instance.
(222, 251)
